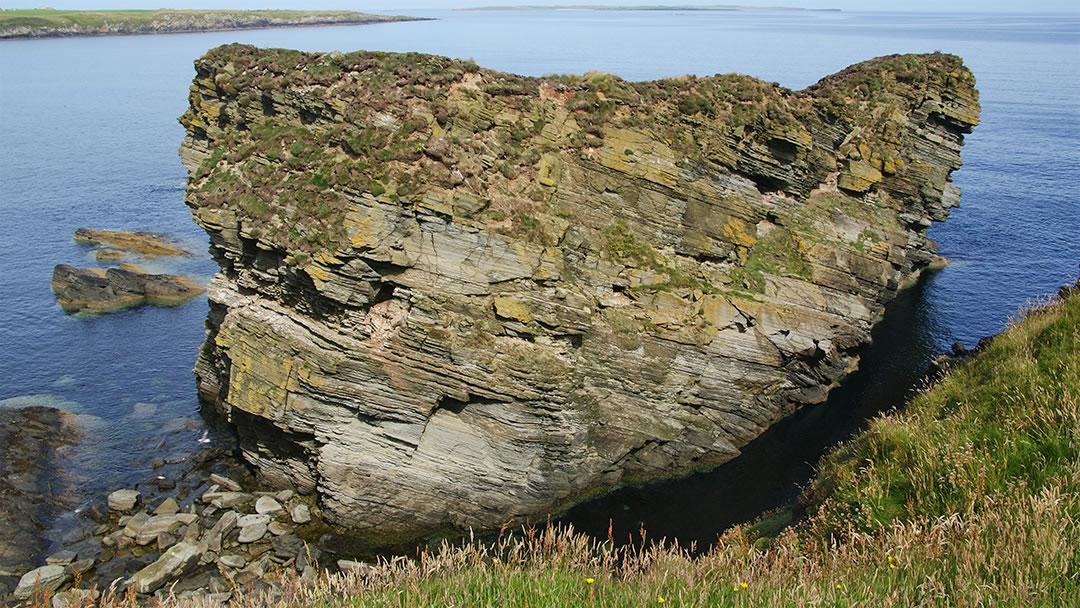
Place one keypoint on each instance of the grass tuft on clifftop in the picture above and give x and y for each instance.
(969, 497)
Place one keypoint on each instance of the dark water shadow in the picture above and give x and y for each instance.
(772, 469)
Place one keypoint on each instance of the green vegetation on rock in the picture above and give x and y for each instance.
(567, 283)
(402, 127)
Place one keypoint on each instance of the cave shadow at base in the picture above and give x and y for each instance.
(773, 468)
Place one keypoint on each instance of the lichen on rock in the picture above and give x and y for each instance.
(452, 297)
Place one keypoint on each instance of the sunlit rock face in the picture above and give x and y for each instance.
(451, 297)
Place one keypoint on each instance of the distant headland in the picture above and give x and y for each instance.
(646, 7)
(18, 24)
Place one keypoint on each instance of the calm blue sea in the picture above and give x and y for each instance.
(88, 137)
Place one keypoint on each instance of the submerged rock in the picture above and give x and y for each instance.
(29, 438)
(100, 290)
(451, 297)
(144, 243)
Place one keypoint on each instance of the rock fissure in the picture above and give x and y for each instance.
(474, 298)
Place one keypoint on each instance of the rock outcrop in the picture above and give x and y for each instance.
(127, 285)
(452, 297)
(144, 243)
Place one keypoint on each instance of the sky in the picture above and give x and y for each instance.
(402, 6)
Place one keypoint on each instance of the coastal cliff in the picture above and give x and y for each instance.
(451, 297)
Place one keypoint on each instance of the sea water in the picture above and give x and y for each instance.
(88, 137)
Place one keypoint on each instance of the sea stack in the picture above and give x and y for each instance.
(451, 297)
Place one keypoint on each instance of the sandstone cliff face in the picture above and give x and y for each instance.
(453, 297)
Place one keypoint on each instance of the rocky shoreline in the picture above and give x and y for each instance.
(198, 529)
(29, 438)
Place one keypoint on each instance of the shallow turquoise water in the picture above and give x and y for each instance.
(88, 137)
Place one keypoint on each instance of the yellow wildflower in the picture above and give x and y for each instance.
(743, 585)
(589, 580)
(659, 600)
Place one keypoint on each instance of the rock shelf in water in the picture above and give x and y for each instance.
(451, 297)
(126, 286)
(144, 243)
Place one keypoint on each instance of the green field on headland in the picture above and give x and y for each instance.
(969, 497)
(47, 23)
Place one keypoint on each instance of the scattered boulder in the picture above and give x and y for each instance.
(46, 578)
(287, 546)
(252, 533)
(176, 562)
(220, 530)
(156, 526)
(266, 505)
(253, 519)
(133, 524)
(226, 500)
(75, 598)
(80, 567)
(204, 549)
(123, 500)
(278, 529)
(233, 561)
(61, 558)
(168, 507)
(300, 514)
(225, 482)
(348, 565)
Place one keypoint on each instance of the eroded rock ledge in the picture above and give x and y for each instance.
(453, 297)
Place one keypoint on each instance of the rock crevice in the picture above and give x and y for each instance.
(452, 297)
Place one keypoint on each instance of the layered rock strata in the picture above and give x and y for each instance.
(451, 297)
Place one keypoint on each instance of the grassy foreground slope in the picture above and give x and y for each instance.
(47, 23)
(969, 497)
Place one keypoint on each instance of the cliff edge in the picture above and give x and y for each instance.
(453, 297)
